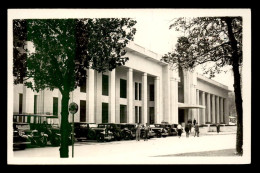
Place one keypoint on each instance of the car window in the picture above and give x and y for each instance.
(101, 126)
(152, 125)
(22, 127)
(92, 125)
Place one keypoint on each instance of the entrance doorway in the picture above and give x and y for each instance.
(181, 115)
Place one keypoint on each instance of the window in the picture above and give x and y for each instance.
(35, 104)
(55, 106)
(136, 114)
(123, 114)
(123, 89)
(105, 85)
(20, 103)
(140, 91)
(152, 92)
(140, 114)
(136, 91)
(151, 111)
(82, 110)
(83, 84)
(104, 112)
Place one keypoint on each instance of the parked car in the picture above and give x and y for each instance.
(159, 131)
(85, 131)
(35, 137)
(20, 139)
(128, 131)
(103, 132)
(172, 131)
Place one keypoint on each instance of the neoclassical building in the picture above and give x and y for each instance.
(145, 90)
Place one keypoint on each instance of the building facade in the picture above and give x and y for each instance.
(145, 90)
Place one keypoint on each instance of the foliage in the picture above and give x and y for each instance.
(206, 41)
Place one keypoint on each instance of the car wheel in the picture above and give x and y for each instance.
(55, 141)
(100, 138)
(42, 141)
(91, 135)
(158, 135)
(22, 147)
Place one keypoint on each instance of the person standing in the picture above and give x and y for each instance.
(138, 132)
(146, 132)
(179, 130)
(194, 122)
(187, 129)
(197, 131)
(218, 127)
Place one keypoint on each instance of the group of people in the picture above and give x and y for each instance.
(138, 132)
(188, 128)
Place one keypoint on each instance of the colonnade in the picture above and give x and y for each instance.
(216, 110)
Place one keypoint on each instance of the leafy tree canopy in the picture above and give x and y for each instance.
(206, 40)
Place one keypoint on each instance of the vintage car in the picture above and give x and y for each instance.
(84, 131)
(151, 133)
(35, 137)
(128, 131)
(172, 131)
(104, 132)
(20, 139)
(159, 131)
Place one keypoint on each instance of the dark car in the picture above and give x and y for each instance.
(159, 131)
(85, 131)
(151, 132)
(35, 137)
(128, 131)
(103, 132)
(172, 131)
(20, 139)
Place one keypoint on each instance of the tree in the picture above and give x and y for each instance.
(64, 49)
(214, 40)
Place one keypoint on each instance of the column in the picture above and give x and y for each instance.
(98, 112)
(156, 99)
(112, 96)
(130, 117)
(208, 108)
(217, 109)
(226, 111)
(221, 110)
(198, 102)
(203, 110)
(91, 96)
(144, 98)
(213, 109)
(171, 99)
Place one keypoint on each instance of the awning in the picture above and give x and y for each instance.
(190, 106)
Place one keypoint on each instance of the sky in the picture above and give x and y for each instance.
(154, 34)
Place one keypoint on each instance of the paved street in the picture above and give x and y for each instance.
(154, 151)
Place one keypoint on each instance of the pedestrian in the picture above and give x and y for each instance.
(179, 130)
(190, 125)
(146, 132)
(187, 129)
(218, 127)
(138, 132)
(197, 130)
(194, 121)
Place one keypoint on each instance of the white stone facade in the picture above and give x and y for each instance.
(204, 99)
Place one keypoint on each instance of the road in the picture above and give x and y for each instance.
(153, 151)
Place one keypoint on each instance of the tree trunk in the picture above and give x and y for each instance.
(237, 87)
(64, 148)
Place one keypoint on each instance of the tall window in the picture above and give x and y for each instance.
(136, 114)
(151, 111)
(83, 84)
(140, 114)
(82, 111)
(123, 89)
(20, 103)
(136, 91)
(152, 92)
(140, 91)
(55, 106)
(123, 113)
(181, 86)
(35, 104)
(105, 85)
(104, 112)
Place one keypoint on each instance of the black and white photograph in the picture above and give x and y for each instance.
(129, 86)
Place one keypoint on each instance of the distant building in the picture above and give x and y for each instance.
(145, 90)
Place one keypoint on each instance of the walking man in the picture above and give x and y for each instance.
(194, 121)
(197, 131)
(187, 129)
